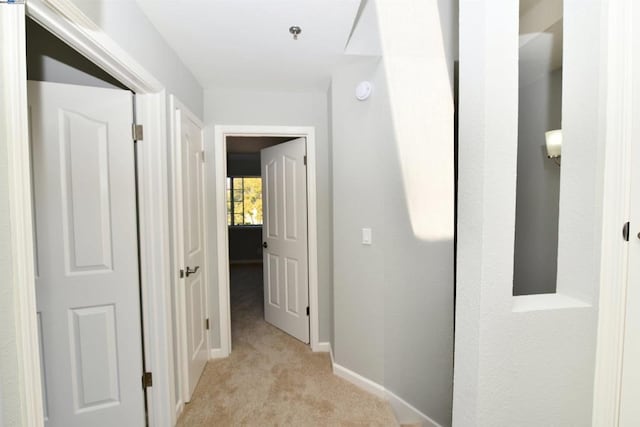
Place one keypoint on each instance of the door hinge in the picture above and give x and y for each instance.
(137, 132)
(307, 310)
(206, 323)
(147, 380)
(625, 231)
(305, 160)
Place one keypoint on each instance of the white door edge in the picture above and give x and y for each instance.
(617, 179)
(177, 108)
(222, 237)
(13, 113)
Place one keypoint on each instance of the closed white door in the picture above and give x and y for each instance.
(194, 344)
(87, 285)
(630, 388)
(284, 236)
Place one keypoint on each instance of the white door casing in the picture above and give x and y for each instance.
(630, 381)
(87, 282)
(192, 286)
(284, 235)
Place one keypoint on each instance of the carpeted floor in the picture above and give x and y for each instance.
(272, 379)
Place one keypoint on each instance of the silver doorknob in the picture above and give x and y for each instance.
(189, 271)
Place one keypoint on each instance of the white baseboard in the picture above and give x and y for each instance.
(406, 413)
(358, 380)
(322, 347)
(179, 409)
(217, 353)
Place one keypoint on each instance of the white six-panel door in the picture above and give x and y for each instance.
(194, 334)
(87, 281)
(284, 233)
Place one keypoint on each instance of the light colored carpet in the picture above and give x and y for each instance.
(272, 379)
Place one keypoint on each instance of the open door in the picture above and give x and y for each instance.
(192, 291)
(284, 236)
(87, 282)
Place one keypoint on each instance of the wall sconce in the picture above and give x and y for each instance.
(553, 139)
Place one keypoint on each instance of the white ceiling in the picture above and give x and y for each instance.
(246, 43)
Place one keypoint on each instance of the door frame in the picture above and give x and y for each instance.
(66, 21)
(178, 292)
(617, 84)
(222, 231)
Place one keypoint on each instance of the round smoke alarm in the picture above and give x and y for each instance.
(363, 90)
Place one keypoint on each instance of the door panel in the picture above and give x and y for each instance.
(286, 281)
(87, 284)
(192, 175)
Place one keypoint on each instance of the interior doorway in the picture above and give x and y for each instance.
(267, 216)
(86, 244)
(260, 173)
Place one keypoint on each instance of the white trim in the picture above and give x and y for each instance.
(360, 381)
(179, 410)
(153, 211)
(324, 347)
(177, 108)
(406, 413)
(222, 232)
(65, 20)
(216, 353)
(14, 130)
(177, 254)
(617, 182)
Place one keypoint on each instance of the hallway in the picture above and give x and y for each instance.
(271, 378)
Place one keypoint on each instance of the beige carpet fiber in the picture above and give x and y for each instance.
(272, 379)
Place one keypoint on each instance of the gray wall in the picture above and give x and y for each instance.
(128, 26)
(401, 334)
(242, 107)
(361, 131)
(49, 59)
(538, 188)
(245, 243)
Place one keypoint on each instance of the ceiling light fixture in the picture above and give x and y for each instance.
(295, 30)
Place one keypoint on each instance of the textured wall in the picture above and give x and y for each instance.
(525, 360)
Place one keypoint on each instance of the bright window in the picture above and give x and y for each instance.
(244, 201)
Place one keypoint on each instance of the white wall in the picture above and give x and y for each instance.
(241, 107)
(526, 360)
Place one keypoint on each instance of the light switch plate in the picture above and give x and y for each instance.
(366, 236)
